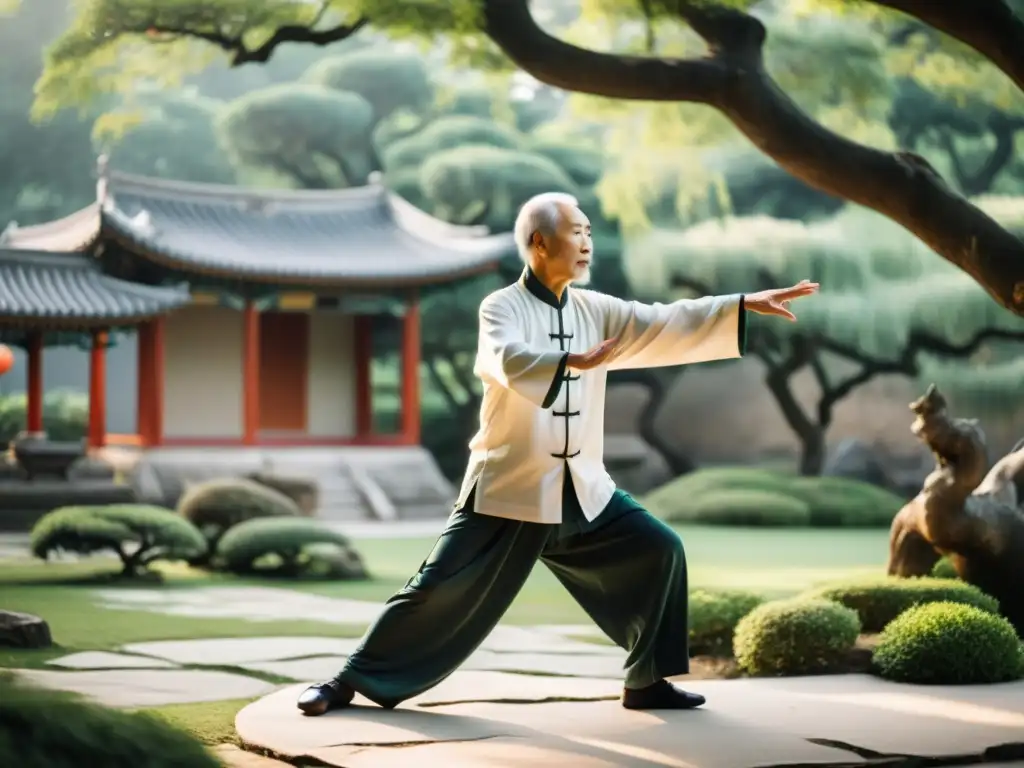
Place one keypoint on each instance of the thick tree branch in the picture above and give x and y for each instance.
(901, 186)
(988, 26)
(562, 65)
(290, 33)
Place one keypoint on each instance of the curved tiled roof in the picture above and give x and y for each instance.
(360, 237)
(70, 290)
(69, 234)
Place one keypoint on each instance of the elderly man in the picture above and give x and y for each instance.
(536, 487)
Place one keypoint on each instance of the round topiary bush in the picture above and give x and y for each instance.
(948, 643)
(289, 546)
(745, 496)
(215, 506)
(944, 569)
(795, 637)
(48, 729)
(880, 600)
(713, 619)
(139, 534)
(304, 491)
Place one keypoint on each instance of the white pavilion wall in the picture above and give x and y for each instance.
(331, 383)
(203, 373)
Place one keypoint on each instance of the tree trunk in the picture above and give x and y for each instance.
(657, 385)
(812, 451)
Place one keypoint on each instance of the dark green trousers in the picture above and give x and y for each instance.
(626, 569)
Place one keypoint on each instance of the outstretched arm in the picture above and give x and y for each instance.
(685, 331)
(504, 356)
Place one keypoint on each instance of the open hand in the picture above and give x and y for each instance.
(593, 357)
(776, 301)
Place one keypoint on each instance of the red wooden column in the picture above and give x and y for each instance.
(411, 372)
(98, 389)
(250, 373)
(362, 358)
(150, 381)
(156, 395)
(34, 385)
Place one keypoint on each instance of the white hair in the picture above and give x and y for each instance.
(539, 214)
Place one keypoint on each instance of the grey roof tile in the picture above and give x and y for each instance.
(353, 237)
(65, 289)
(69, 234)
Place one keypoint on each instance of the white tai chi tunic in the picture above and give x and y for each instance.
(539, 418)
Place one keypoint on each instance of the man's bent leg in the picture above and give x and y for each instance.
(627, 570)
(431, 626)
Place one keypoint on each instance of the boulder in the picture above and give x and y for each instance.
(23, 630)
(857, 460)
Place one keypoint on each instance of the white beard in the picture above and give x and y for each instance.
(581, 276)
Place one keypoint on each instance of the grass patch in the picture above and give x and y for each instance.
(211, 722)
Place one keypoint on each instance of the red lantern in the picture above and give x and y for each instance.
(6, 359)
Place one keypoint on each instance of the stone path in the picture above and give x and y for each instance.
(815, 720)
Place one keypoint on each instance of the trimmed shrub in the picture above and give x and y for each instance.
(713, 619)
(759, 497)
(214, 506)
(302, 490)
(65, 415)
(948, 643)
(944, 569)
(795, 637)
(288, 546)
(49, 729)
(879, 600)
(138, 533)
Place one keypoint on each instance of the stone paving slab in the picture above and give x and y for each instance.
(150, 687)
(507, 648)
(591, 665)
(105, 660)
(239, 651)
(746, 723)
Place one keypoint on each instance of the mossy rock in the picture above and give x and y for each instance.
(760, 497)
(139, 533)
(48, 729)
(215, 506)
(713, 619)
(880, 600)
(289, 546)
(795, 637)
(946, 643)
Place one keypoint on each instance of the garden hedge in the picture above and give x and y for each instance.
(65, 415)
(879, 600)
(138, 533)
(714, 616)
(795, 637)
(289, 546)
(214, 506)
(948, 643)
(48, 729)
(759, 497)
(944, 569)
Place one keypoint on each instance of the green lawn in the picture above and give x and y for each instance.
(775, 562)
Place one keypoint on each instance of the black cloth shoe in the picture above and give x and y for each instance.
(323, 697)
(661, 695)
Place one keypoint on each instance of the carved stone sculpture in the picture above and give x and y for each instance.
(965, 510)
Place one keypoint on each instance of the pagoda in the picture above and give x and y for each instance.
(254, 309)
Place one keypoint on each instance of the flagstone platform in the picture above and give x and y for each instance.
(518, 720)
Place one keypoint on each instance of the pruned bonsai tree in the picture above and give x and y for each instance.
(965, 511)
(138, 534)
